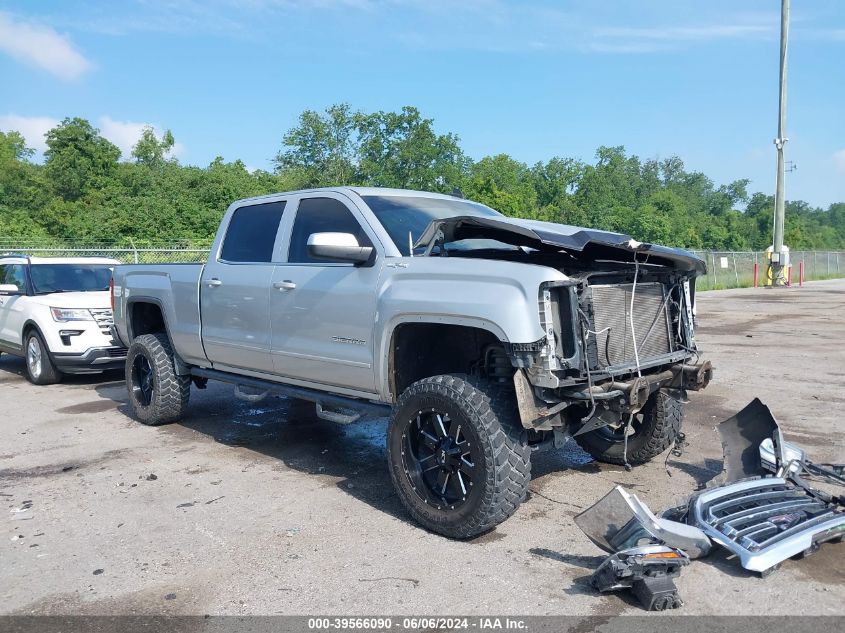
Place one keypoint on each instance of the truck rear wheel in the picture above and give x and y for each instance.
(157, 394)
(653, 430)
(458, 456)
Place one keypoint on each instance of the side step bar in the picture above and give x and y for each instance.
(321, 398)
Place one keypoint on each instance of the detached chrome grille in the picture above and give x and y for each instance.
(767, 520)
(104, 318)
(612, 323)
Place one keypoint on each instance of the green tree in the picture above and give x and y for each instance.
(151, 151)
(321, 150)
(401, 149)
(78, 158)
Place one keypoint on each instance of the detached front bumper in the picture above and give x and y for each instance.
(93, 360)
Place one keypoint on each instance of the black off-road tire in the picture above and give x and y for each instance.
(168, 400)
(489, 417)
(655, 431)
(47, 373)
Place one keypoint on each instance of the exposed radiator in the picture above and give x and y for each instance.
(614, 344)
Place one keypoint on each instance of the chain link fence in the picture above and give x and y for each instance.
(725, 269)
(156, 253)
(736, 269)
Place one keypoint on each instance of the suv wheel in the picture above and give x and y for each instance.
(157, 394)
(653, 430)
(458, 456)
(40, 369)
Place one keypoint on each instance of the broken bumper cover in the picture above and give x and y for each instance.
(621, 521)
(765, 521)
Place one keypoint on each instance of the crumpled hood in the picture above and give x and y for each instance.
(592, 243)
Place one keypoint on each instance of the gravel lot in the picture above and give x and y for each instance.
(243, 509)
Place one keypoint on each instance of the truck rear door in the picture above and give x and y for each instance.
(235, 289)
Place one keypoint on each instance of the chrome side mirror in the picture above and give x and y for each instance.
(341, 247)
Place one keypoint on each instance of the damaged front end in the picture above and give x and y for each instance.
(618, 328)
(613, 338)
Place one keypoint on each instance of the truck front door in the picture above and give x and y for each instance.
(235, 290)
(323, 313)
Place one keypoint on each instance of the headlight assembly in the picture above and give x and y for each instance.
(63, 315)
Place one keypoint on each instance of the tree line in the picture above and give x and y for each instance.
(84, 191)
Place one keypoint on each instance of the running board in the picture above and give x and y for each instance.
(329, 400)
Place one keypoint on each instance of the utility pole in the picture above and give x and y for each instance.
(777, 263)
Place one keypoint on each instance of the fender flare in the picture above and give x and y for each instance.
(382, 352)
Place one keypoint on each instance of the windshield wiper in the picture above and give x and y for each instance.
(49, 292)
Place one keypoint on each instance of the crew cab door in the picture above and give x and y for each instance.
(322, 313)
(12, 306)
(235, 289)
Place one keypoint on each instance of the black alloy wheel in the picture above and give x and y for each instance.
(439, 458)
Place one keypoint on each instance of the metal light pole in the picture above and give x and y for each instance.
(777, 263)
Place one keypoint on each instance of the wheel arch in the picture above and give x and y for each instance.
(412, 344)
(30, 324)
(145, 315)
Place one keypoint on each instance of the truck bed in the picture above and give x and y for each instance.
(175, 288)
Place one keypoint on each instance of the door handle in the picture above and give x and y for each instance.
(287, 284)
(213, 282)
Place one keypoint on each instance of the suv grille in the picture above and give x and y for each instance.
(612, 323)
(104, 318)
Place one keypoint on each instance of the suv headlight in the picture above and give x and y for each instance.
(63, 315)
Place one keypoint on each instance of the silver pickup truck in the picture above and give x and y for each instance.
(483, 337)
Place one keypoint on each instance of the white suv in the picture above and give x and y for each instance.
(55, 312)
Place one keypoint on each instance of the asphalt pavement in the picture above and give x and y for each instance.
(254, 509)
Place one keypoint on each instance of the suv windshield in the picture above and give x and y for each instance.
(47, 278)
(404, 215)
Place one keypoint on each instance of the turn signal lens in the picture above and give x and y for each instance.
(663, 555)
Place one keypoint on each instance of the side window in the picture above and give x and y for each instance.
(13, 274)
(252, 233)
(321, 215)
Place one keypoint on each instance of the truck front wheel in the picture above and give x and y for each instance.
(652, 431)
(458, 456)
(157, 394)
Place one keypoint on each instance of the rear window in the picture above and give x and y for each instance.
(252, 233)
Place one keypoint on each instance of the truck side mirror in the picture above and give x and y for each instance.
(9, 289)
(342, 247)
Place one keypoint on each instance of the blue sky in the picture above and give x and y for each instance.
(531, 79)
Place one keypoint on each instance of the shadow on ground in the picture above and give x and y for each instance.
(352, 457)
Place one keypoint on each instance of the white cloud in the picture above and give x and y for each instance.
(43, 47)
(125, 135)
(687, 33)
(839, 161)
(33, 128)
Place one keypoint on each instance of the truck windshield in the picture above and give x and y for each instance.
(401, 215)
(47, 278)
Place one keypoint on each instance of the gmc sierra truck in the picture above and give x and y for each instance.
(482, 337)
